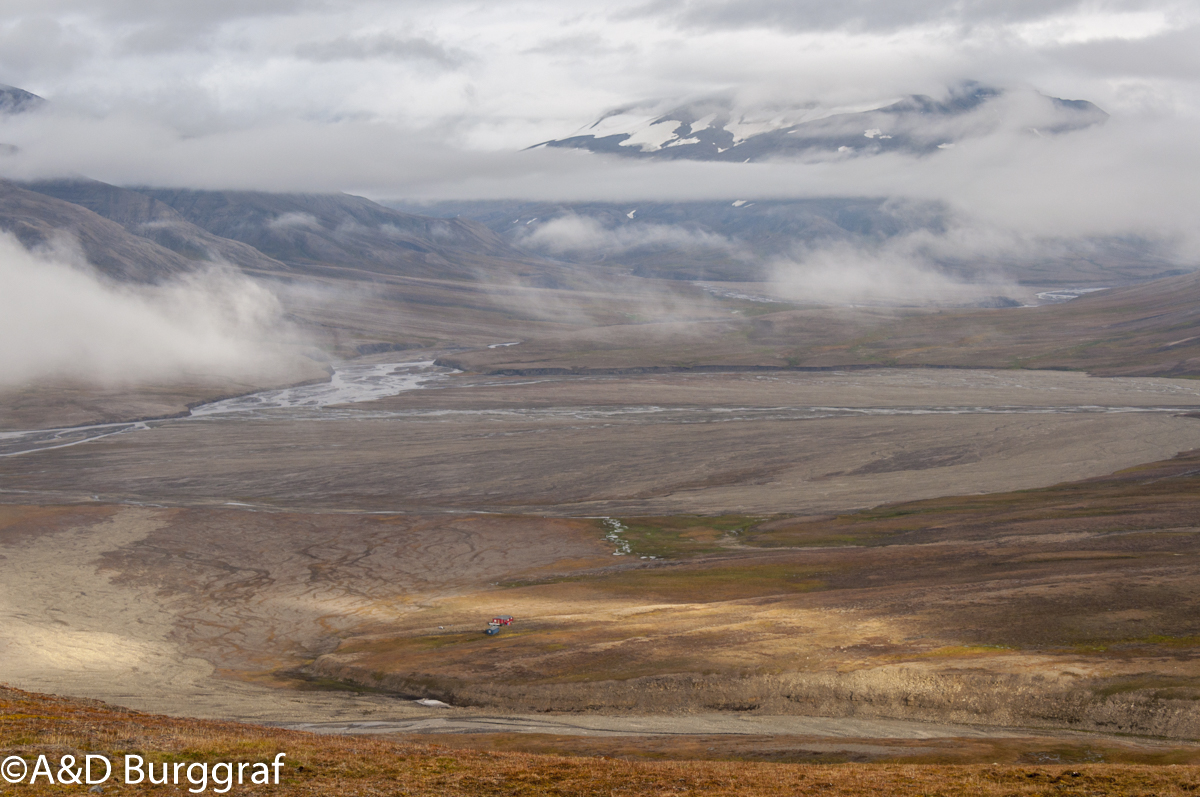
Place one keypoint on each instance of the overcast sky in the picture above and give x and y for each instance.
(507, 74)
(435, 99)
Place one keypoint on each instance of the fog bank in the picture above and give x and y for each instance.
(59, 318)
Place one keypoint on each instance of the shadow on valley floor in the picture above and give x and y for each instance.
(1066, 607)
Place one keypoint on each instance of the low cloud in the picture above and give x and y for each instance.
(907, 270)
(574, 234)
(59, 318)
(290, 220)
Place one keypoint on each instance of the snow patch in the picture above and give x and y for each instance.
(742, 129)
(652, 137)
(702, 124)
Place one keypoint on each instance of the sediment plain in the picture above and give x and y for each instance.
(668, 443)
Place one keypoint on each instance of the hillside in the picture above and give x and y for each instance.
(146, 217)
(343, 235)
(38, 220)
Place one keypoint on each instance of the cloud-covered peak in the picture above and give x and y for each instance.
(722, 129)
(15, 100)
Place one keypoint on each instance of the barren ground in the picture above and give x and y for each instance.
(675, 443)
(748, 594)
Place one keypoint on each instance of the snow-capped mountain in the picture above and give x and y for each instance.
(717, 129)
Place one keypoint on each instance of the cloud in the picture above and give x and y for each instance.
(807, 15)
(381, 46)
(1131, 176)
(571, 233)
(505, 75)
(59, 318)
(938, 260)
(960, 263)
(842, 273)
(286, 221)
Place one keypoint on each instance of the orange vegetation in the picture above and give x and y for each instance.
(33, 724)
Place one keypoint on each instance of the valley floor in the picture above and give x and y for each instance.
(329, 564)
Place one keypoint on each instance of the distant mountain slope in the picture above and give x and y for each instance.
(1151, 328)
(1143, 330)
(737, 241)
(147, 217)
(314, 231)
(39, 220)
(676, 240)
(15, 100)
(716, 129)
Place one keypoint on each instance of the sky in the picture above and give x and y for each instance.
(437, 100)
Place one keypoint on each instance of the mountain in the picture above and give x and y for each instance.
(146, 217)
(359, 276)
(717, 129)
(38, 220)
(336, 233)
(726, 241)
(737, 241)
(15, 100)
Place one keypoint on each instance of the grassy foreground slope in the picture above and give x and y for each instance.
(33, 725)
